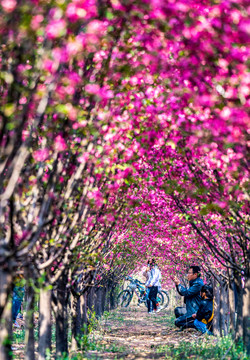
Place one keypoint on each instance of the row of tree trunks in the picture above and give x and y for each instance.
(95, 300)
(222, 305)
(99, 299)
(232, 309)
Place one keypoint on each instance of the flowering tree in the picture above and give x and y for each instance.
(111, 105)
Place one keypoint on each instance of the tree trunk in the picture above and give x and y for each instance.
(98, 301)
(90, 298)
(75, 322)
(84, 317)
(112, 299)
(104, 299)
(239, 320)
(5, 315)
(44, 345)
(216, 320)
(246, 314)
(61, 318)
(223, 310)
(29, 321)
(231, 301)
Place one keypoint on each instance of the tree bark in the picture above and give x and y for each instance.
(216, 320)
(223, 310)
(29, 321)
(246, 314)
(75, 322)
(98, 301)
(6, 316)
(61, 318)
(239, 320)
(90, 298)
(231, 301)
(44, 345)
(105, 299)
(84, 317)
(112, 298)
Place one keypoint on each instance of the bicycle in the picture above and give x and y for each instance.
(162, 297)
(138, 288)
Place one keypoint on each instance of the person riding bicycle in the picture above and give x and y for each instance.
(153, 283)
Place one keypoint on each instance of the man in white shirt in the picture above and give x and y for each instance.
(153, 283)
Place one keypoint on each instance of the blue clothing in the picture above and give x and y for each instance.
(147, 292)
(152, 298)
(205, 310)
(200, 326)
(16, 306)
(18, 294)
(147, 299)
(192, 297)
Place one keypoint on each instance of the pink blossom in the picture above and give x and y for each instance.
(83, 158)
(92, 88)
(56, 28)
(41, 154)
(96, 27)
(25, 135)
(60, 144)
(23, 100)
(36, 21)
(60, 55)
(50, 65)
(75, 12)
(110, 217)
(8, 5)
(117, 5)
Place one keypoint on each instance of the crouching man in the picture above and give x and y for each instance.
(192, 298)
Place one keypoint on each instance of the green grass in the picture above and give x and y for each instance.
(166, 318)
(206, 347)
(18, 336)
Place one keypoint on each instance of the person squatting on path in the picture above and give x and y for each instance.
(205, 312)
(153, 283)
(192, 298)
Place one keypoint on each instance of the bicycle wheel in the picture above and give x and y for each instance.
(141, 298)
(165, 299)
(124, 298)
(160, 299)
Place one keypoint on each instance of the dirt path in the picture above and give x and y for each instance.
(126, 334)
(134, 334)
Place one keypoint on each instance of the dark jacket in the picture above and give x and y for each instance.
(192, 297)
(205, 310)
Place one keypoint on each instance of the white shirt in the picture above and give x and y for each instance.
(154, 278)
